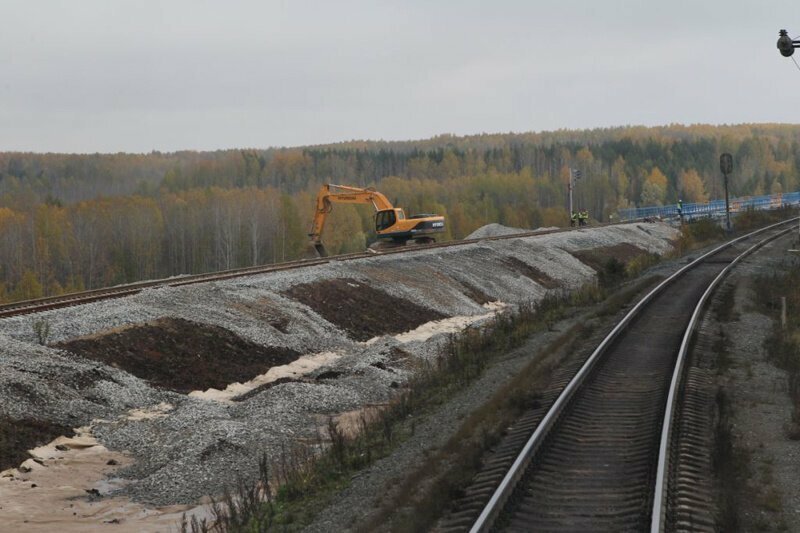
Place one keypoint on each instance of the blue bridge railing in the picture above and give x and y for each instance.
(713, 207)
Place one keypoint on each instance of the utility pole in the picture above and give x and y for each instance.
(574, 174)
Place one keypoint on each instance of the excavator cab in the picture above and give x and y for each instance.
(386, 219)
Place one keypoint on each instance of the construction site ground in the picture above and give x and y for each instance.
(176, 392)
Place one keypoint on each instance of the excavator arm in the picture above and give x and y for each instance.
(329, 194)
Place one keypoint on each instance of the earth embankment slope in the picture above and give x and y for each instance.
(203, 441)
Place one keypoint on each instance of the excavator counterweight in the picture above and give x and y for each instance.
(391, 224)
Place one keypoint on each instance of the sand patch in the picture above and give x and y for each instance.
(447, 325)
(66, 488)
(295, 369)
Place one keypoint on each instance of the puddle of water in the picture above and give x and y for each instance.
(296, 368)
(62, 492)
(447, 325)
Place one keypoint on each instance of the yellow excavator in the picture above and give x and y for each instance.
(392, 225)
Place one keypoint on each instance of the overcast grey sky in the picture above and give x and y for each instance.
(141, 75)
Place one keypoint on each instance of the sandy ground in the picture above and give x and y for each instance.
(56, 493)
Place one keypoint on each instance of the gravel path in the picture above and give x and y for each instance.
(762, 408)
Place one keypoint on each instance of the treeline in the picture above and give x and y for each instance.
(69, 222)
(54, 249)
(764, 153)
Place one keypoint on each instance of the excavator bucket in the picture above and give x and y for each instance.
(320, 250)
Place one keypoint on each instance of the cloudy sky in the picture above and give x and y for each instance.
(141, 75)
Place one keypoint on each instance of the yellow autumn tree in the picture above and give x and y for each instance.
(28, 287)
(691, 187)
(654, 190)
(620, 182)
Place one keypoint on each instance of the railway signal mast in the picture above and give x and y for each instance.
(726, 166)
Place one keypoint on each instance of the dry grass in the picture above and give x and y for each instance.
(424, 495)
(431, 489)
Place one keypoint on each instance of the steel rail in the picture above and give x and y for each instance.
(497, 501)
(660, 498)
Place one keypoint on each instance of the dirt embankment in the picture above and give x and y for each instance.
(181, 355)
(362, 311)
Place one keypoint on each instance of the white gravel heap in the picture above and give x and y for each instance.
(202, 444)
(495, 230)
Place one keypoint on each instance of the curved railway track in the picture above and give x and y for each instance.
(596, 459)
(67, 300)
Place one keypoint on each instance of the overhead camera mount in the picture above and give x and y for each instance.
(786, 45)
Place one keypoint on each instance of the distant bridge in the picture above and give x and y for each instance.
(713, 208)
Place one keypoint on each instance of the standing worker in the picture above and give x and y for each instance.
(583, 217)
(573, 219)
(680, 210)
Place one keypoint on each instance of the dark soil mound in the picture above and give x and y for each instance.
(362, 311)
(597, 258)
(19, 436)
(181, 355)
(610, 262)
(532, 272)
(475, 294)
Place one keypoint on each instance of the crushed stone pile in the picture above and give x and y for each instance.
(498, 230)
(494, 230)
(198, 443)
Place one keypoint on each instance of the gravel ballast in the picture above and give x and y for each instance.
(199, 444)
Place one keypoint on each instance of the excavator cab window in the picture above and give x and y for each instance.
(384, 219)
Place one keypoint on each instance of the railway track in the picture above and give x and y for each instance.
(604, 446)
(46, 304)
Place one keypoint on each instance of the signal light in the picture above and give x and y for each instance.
(785, 44)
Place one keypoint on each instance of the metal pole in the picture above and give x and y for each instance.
(727, 204)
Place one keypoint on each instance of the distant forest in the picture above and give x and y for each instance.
(72, 222)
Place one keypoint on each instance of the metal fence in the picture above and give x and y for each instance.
(713, 208)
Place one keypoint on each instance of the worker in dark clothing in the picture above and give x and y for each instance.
(573, 219)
